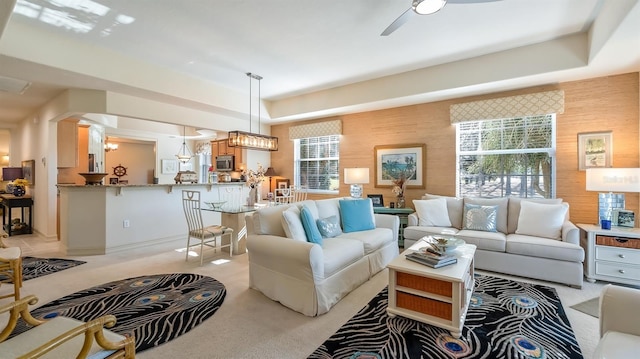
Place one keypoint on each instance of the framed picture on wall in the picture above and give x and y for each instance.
(394, 161)
(28, 171)
(169, 166)
(595, 149)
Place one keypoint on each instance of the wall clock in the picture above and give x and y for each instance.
(120, 170)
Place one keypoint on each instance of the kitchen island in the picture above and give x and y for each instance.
(100, 219)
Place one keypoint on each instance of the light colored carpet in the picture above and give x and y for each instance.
(591, 307)
(248, 325)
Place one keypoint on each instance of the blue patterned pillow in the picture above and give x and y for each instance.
(480, 218)
(310, 228)
(329, 227)
(357, 215)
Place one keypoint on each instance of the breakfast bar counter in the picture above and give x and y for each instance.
(100, 219)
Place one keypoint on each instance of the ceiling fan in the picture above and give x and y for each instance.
(424, 7)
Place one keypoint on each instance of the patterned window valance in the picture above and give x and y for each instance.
(534, 104)
(327, 128)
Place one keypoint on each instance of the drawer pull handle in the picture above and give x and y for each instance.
(621, 271)
(621, 255)
(620, 240)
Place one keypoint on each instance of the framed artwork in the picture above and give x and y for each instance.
(169, 166)
(595, 149)
(28, 171)
(393, 161)
(123, 182)
(282, 183)
(623, 218)
(113, 180)
(376, 199)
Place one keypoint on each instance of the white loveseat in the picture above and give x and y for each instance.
(310, 277)
(530, 237)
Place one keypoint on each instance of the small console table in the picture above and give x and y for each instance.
(612, 255)
(402, 213)
(10, 201)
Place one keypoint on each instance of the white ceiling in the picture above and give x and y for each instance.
(317, 58)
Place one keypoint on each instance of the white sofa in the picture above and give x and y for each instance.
(619, 318)
(308, 277)
(530, 237)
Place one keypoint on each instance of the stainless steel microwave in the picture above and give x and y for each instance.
(225, 163)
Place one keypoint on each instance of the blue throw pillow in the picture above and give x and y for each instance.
(309, 225)
(357, 215)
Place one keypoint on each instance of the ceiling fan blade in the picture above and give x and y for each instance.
(469, 1)
(398, 22)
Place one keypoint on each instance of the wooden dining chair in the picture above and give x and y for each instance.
(204, 235)
(10, 268)
(298, 194)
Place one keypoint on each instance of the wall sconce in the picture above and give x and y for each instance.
(356, 177)
(609, 180)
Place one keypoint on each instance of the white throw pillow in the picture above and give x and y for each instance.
(432, 212)
(293, 225)
(541, 220)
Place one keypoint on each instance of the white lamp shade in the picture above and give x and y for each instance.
(356, 175)
(613, 179)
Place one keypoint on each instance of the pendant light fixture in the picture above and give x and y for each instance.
(184, 154)
(110, 146)
(254, 141)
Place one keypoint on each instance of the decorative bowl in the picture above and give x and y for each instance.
(93, 178)
(215, 205)
(445, 244)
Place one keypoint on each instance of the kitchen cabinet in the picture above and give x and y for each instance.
(67, 143)
(220, 148)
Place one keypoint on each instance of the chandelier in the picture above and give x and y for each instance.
(184, 154)
(110, 146)
(255, 141)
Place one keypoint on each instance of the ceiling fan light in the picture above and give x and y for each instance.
(426, 7)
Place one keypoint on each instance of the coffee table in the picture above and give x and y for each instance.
(438, 297)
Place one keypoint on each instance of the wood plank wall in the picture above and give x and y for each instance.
(598, 104)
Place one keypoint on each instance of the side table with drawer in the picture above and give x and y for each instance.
(611, 255)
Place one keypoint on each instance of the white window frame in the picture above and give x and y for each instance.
(550, 151)
(296, 167)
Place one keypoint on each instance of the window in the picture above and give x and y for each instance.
(506, 157)
(317, 163)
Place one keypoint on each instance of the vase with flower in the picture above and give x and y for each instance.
(399, 187)
(254, 181)
(19, 187)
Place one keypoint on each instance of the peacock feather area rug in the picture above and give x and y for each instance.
(506, 319)
(154, 309)
(33, 267)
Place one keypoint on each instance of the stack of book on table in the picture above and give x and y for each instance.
(432, 258)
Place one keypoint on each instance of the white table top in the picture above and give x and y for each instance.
(454, 272)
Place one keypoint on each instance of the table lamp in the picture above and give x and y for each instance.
(609, 180)
(270, 173)
(356, 177)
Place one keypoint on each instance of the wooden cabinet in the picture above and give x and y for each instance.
(611, 255)
(220, 148)
(67, 143)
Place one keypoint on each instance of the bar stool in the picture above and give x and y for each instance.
(11, 269)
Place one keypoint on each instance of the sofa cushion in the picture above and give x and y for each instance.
(339, 253)
(372, 239)
(480, 218)
(454, 208)
(356, 215)
(514, 209)
(541, 220)
(328, 207)
(292, 224)
(268, 220)
(501, 214)
(329, 227)
(310, 227)
(432, 212)
(544, 248)
(488, 241)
